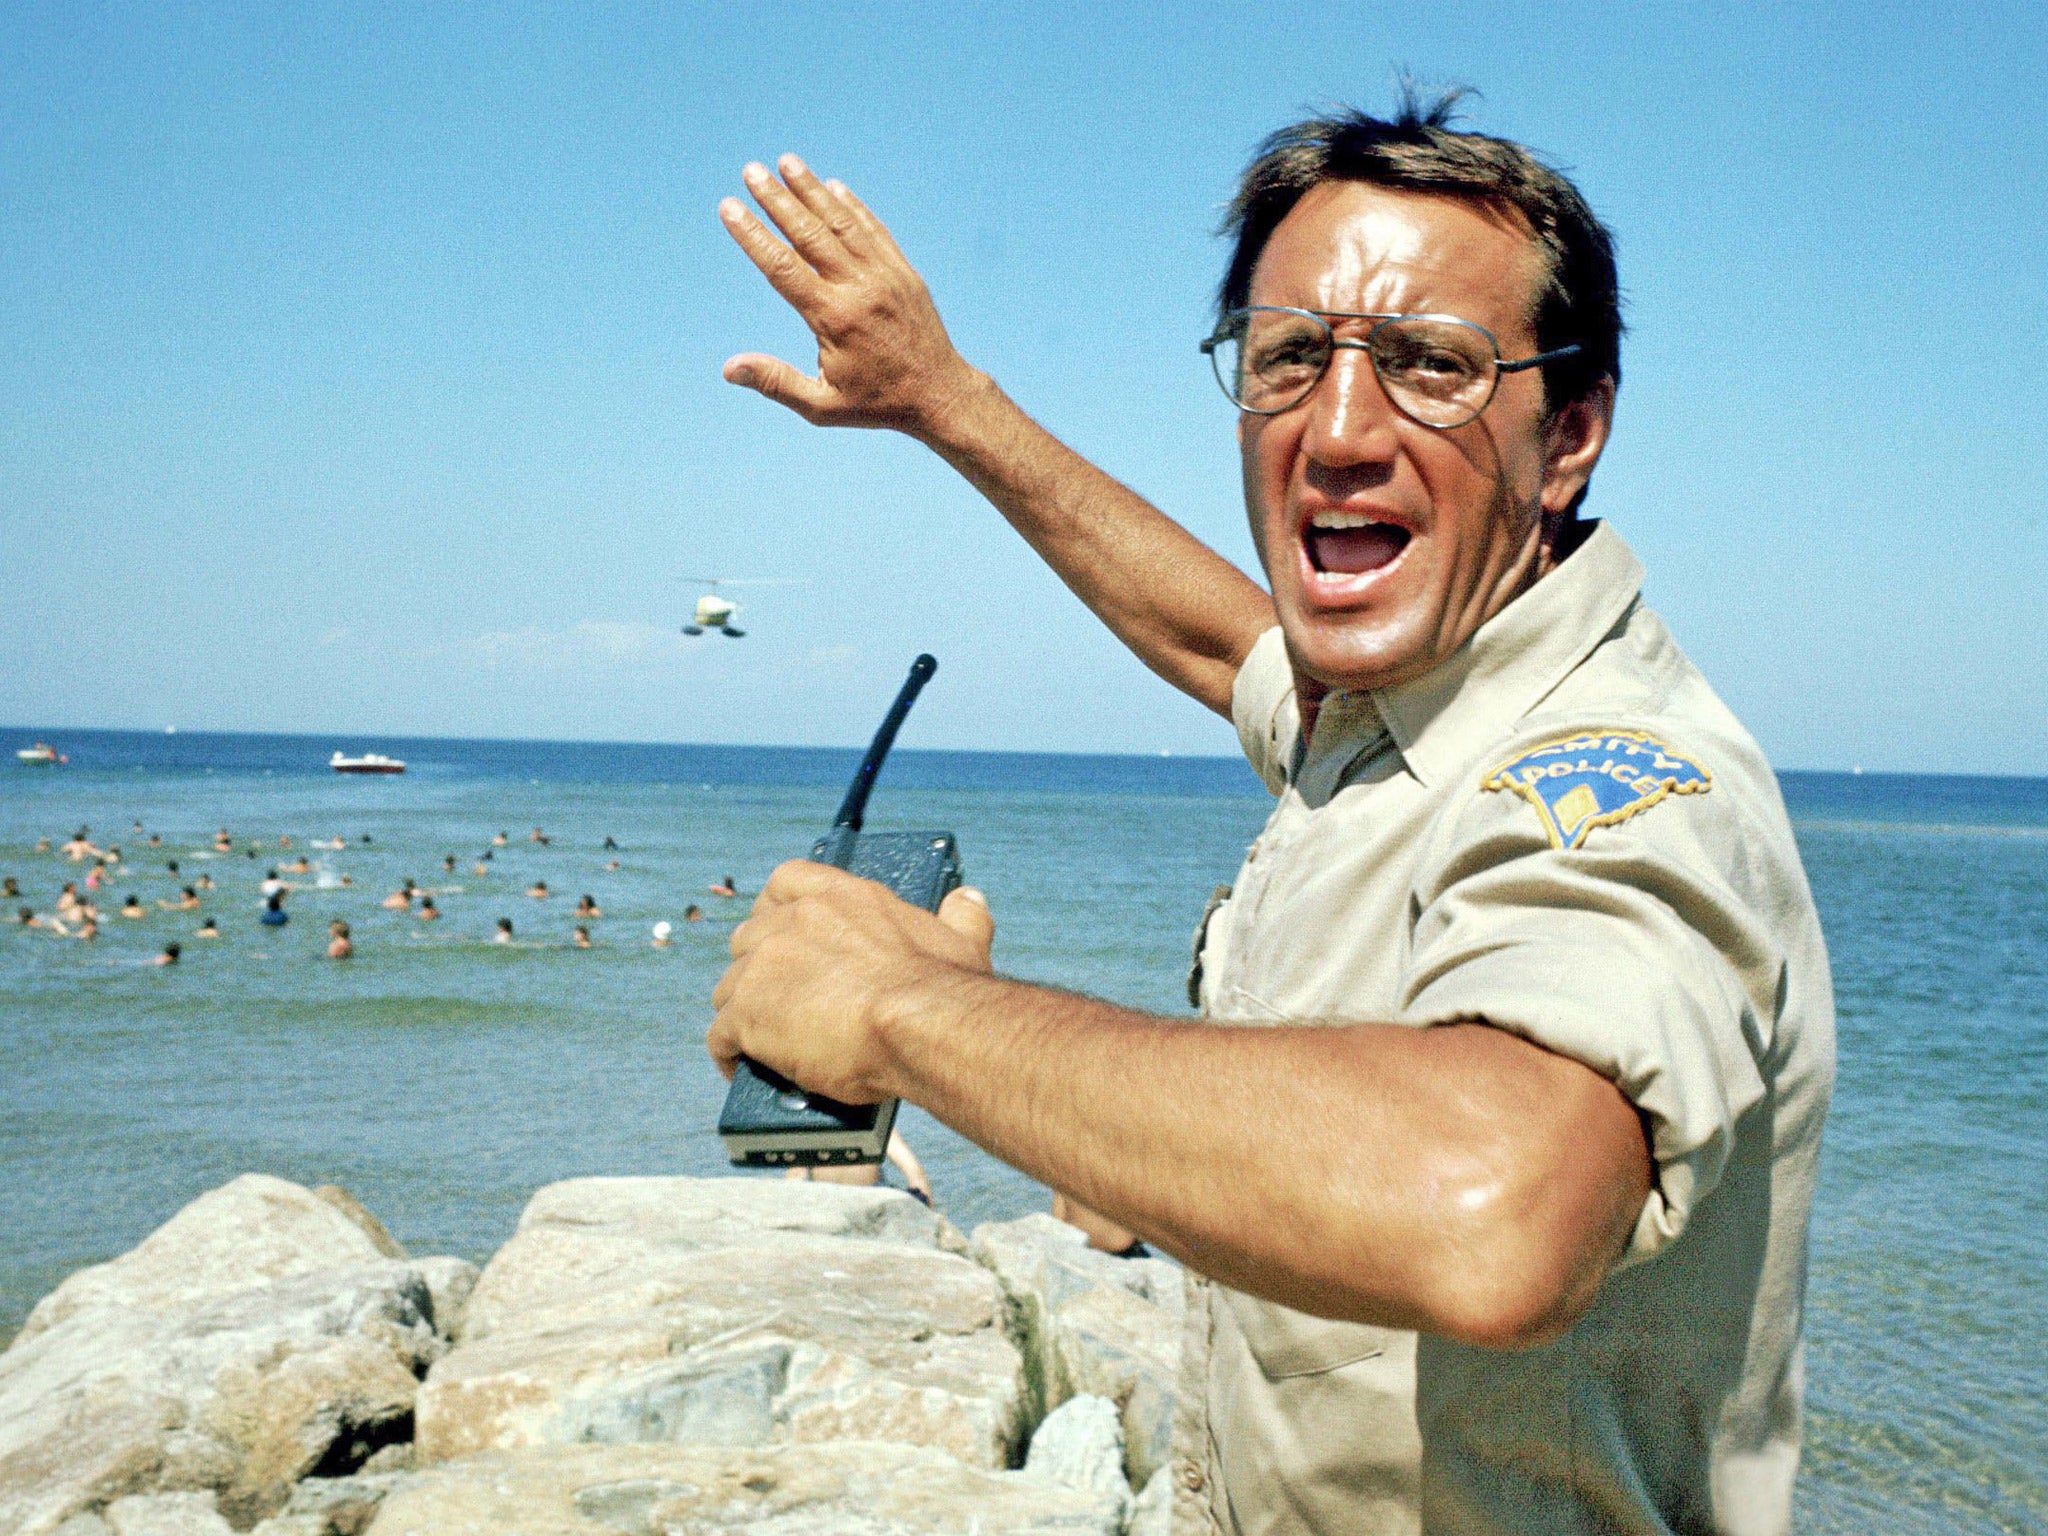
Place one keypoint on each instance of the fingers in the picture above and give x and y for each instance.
(966, 913)
(812, 399)
(815, 239)
(873, 230)
(786, 272)
(830, 210)
(724, 1048)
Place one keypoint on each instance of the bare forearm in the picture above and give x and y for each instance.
(1189, 614)
(1366, 1172)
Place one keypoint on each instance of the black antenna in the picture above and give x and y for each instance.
(855, 805)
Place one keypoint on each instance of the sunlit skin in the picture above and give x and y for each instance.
(1482, 503)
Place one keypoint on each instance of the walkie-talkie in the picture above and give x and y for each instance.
(768, 1121)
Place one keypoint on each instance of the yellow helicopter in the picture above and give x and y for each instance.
(715, 612)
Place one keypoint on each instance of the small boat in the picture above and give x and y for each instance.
(369, 762)
(41, 755)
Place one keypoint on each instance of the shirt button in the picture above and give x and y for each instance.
(1191, 1477)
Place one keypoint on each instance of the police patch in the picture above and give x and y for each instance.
(1597, 779)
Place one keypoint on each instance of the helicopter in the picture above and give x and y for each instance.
(715, 612)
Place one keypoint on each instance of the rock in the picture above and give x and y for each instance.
(166, 1514)
(1081, 1445)
(449, 1282)
(1152, 1511)
(85, 1525)
(1090, 1323)
(193, 1374)
(357, 1212)
(246, 1233)
(812, 1490)
(727, 1312)
(338, 1506)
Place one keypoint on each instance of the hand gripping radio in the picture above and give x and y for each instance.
(768, 1121)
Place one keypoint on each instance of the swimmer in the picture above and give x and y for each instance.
(169, 956)
(339, 945)
(26, 918)
(662, 930)
(42, 845)
(693, 913)
(582, 939)
(133, 907)
(588, 907)
(222, 843)
(538, 836)
(274, 914)
(299, 866)
(399, 900)
(155, 841)
(284, 842)
(136, 826)
(539, 890)
(114, 854)
(504, 933)
(613, 866)
(91, 930)
(481, 869)
(207, 929)
(500, 840)
(428, 912)
(98, 876)
(9, 889)
(188, 901)
(67, 899)
(726, 887)
(272, 884)
(917, 1186)
(331, 844)
(448, 863)
(204, 882)
(171, 867)
(248, 853)
(611, 843)
(366, 839)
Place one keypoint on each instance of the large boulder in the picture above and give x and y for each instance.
(779, 1490)
(258, 1336)
(728, 1312)
(1089, 1323)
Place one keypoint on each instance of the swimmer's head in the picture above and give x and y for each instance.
(663, 929)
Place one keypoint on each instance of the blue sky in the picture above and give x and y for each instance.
(359, 365)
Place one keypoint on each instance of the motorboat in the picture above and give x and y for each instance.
(41, 755)
(368, 762)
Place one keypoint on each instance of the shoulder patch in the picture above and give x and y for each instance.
(1596, 779)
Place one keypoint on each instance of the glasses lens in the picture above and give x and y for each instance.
(1272, 358)
(1440, 372)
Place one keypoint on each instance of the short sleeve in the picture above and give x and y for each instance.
(1264, 710)
(1632, 953)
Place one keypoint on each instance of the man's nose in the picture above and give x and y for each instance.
(1351, 420)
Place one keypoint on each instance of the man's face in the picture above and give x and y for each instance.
(1387, 543)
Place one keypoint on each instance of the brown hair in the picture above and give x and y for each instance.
(1417, 151)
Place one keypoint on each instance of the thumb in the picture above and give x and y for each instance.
(810, 398)
(966, 913)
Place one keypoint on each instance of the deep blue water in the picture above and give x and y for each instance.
(443, 1077)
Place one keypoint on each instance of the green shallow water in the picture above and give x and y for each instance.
(443, 1078)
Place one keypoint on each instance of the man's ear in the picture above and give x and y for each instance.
(1573, 442)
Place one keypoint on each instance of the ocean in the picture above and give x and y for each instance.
(443, 1077)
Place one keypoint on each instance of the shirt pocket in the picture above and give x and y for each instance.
(1286, 1343)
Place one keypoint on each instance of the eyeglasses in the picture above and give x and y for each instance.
(1436, 369)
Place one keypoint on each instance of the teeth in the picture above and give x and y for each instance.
(1341, 520)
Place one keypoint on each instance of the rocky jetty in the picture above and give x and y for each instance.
(645, 1356)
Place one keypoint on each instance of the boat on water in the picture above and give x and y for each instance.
(41, 755)
(369, 762)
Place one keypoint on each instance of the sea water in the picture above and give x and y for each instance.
(443, 1077)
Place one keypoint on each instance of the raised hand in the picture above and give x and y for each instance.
(884, 359)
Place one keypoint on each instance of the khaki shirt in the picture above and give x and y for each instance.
(1560, 831)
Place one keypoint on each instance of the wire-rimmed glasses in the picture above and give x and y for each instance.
(1436, 369)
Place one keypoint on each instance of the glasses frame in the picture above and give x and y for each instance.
(1501, 365)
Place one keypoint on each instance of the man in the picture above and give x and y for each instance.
(1500, 1140)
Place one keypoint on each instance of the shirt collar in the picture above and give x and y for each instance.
(1514, 660)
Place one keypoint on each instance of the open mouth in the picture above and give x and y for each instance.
(1352, 544)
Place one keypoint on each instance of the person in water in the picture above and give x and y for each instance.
(339, 945)
(204, 882)
(188, 901)
(448, 863)
(169, 956)
(428, 912)
(582, 939)
(504, 933)
(539, 890)
(91, 928)
(207, 929)
(611, 843)
(481, 869)
(726, 887)
(538, 836)
(662, 930)
(274, 914)
(399, 900)
(588, 907)
(693, 913)
(133, 907)
(9, 888)
(500, 840)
